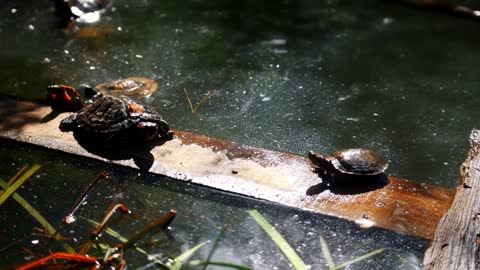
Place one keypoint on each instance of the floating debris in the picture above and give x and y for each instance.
(192, 108)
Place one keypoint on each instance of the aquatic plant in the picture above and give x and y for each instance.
(293, 257)
(97, 252)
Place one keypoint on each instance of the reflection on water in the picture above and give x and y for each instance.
(291, 76)
(201, 215)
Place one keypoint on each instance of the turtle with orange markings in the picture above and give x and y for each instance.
(64, 97)
(67, 98)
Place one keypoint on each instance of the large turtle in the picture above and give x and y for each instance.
(355, 161)
(117, 118)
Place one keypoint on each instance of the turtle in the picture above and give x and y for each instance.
(355, 161)
(132, 86)
(117, 119)
(63, 97)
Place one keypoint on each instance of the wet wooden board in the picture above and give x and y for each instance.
(401, 205)
(456, 244)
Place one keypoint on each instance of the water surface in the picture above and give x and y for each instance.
(290, 76)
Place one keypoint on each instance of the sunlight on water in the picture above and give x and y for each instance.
(300, 77)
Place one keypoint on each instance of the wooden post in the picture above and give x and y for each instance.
(456, 244)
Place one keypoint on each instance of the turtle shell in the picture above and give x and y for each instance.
(110, 114)
(133, 86)
(358, 161)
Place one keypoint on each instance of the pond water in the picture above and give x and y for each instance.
(291, 76)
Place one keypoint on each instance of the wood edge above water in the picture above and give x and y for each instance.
(403, 206)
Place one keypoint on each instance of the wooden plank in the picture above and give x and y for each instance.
(456, 244)
(401, 205)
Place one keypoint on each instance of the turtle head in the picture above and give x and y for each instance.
(320, 161)
(151, 130)
(164, 130)
(69, 123)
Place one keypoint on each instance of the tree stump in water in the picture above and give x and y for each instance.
(456, 244)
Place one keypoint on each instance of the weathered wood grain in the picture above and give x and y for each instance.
(400, 205)
(456, 244)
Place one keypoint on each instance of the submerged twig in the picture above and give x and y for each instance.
(103, 225)
(95, 233)
(46, 233)
(70, 217)
(17, 242)
(192, 108)
(162, 223)
(115, 234)
(123, 239)
(16, 176)
(91, 261)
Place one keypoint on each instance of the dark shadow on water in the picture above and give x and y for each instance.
(347, 184)
(139, 151)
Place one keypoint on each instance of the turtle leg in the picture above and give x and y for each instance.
(164, 130)
(149, 130)
(69, 123)
(319, 160)
(322, 164)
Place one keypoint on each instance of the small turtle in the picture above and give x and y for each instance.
(63, 97)
(350, 161)
(117, 117)
(133, 86)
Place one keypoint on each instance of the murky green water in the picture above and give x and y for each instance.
(290, 76)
